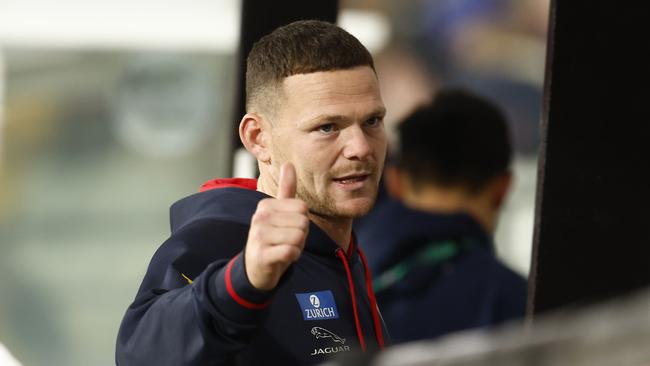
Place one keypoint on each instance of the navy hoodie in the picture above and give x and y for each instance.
(467, 288)
(196, 306)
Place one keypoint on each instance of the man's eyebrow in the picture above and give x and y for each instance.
(329, 118)
(381, 111)
(378, 112)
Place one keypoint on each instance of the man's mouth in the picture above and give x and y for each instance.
(353, 179)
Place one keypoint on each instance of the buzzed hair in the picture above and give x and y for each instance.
(460, 140)
(300, 47)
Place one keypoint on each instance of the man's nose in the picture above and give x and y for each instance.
(357, 146)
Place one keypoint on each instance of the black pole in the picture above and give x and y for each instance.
(592, 229)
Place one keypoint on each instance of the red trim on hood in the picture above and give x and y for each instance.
(371, 295)
(373, 301)
(246, 183)
(353, 297)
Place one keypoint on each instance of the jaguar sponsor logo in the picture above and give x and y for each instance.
(328, 350)
(319, 333)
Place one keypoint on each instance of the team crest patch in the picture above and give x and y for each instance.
(317, 305)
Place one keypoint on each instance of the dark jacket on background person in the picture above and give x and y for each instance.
(436, 273)
(196, 306)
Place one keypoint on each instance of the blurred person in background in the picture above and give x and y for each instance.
(430, 246)
(494, 47)
(406, 84)
(266, 271)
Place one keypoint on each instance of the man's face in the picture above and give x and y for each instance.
(330, 126)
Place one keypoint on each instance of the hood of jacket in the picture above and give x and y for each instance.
(235, 200)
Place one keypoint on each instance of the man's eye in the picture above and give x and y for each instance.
(326, 128)
(373, 121)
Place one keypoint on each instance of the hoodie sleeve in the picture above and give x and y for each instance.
(179, 320)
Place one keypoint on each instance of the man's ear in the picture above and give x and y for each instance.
(395, 182)
(254, 134)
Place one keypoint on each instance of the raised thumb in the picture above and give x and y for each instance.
(288, 181)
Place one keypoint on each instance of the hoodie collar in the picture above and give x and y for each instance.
(246, 183)
(319, 243)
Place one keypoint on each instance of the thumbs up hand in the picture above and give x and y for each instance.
(277, 233)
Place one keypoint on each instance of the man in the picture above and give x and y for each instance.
(266, 271)
(432, 254)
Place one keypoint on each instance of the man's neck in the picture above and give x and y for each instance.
(264, 186)
(452, 201)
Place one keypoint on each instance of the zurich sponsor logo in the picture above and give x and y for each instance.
(317, 305)
(314, 300)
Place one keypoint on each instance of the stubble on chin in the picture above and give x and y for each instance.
(326, 206)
